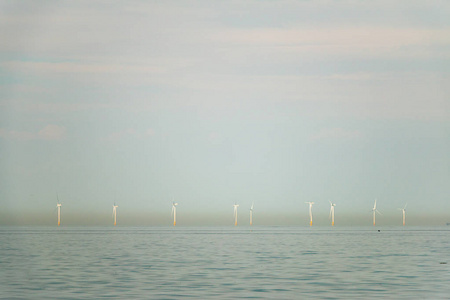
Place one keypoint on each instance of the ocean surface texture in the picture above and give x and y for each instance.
(224, 262)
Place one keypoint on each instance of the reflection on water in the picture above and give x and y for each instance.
(224, 262)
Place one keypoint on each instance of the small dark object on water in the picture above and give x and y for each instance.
(379, 230)
(443, 263)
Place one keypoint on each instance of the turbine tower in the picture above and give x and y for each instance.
(174, 213)
(235, 213)
(251, 215)
(58, 207)
(404, 214)
(310, 212)
(374, 211)
(115, 213)
(332, 212)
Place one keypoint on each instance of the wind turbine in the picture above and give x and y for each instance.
(332, 212)
(115, 213)
(251, 215)
(235, 213)
(404, 213)
(174, 213)
(310, 212)
(58, 207)
(375, 210)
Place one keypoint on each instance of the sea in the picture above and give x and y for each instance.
(259, 262)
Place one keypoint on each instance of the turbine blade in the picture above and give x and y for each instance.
(405, 205)
(329, 217)
(378, 212)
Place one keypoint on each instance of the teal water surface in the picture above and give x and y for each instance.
(224, 262)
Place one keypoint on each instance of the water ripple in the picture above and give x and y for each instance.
(223, 263)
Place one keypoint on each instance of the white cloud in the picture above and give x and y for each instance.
(80, 68)
(150, 132)
(336, 133)
(17, 135)
(130, 132)
(49, 132)
(144, 56)
(341, 41)
(52, 132)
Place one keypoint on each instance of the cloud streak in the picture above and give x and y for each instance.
(216, 102)
(81, 68)
(50, 132)
(336, 134)
(367, 42)
(130, 132)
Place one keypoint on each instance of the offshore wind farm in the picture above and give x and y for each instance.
(332, 212)
(235, 214)
(114, 213)
(226, 107)
(404, 214)
(174, 213)
(251, 215)
(58, 207)
(224, 149)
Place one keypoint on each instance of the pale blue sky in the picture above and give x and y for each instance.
(276, 102)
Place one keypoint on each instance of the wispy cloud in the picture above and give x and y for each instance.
(55, 108)
(52, 132)
(366, 42)
(80, 67)
(48, 133)
(129, 132)
(17, 135)
(336, 134)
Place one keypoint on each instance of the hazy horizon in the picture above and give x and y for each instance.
(212, 103)
(219, 219)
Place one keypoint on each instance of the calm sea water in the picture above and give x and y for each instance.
(224, 263)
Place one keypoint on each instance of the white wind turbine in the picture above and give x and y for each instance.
(332, 212)
(174, 213)
(310, 212)
(375, 210)
(404, 213)
(115, 213)
(58, 207)
(251, 215)
(235, 213)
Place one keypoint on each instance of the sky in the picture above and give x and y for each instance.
(211, 103)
